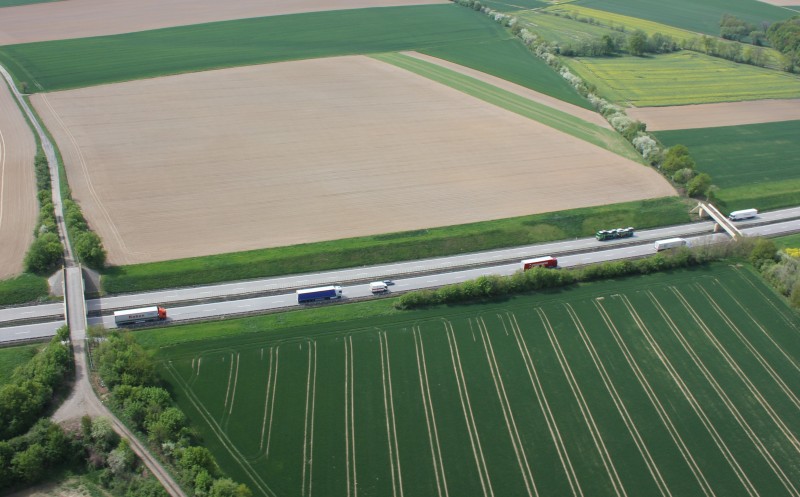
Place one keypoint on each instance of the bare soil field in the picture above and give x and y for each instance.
(585, 114)
(84, 18)
(305, 151)
(713, 115)
(783, 3)
(18, 204)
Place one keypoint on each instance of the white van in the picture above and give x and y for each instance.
(743, 214)
(378, 287)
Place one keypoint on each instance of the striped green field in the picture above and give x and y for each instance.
(680, 384)
(682, 78)
(755, 165)
(700, 16)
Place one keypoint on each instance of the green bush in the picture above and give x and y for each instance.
(44, 254)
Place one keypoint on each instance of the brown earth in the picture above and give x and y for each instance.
(713, 115)
(18, 204)
(304, 151)
(783, 3)
(84, 18)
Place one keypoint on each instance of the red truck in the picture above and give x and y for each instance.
(539, 262)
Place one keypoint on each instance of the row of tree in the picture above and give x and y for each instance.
(46, 252)
(28, 393)
(785, 37)
(488, 287)
(138, 398)
(675, 163)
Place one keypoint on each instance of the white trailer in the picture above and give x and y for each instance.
(669, 243)
(141, 315)
(743, 214)
(378, 287)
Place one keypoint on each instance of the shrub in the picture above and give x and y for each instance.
(699, 185)
(44, 254)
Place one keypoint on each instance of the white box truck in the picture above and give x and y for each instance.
(669, 243)
(378, 287)
(743, 214)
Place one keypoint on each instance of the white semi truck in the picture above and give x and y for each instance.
(743, 214)
(669, 243)
(140, 315)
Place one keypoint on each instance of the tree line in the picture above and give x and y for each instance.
(535, 279)
(675, 163)
(138, 398)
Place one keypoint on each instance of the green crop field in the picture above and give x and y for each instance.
(682, 78)
(63, 64)
(700, 16)
(514, 5)
(561, 30)
(679, 384)
(11, 357)
(12, 3)
(510, 60)
(747, 161)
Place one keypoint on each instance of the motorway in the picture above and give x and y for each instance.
(250, 297)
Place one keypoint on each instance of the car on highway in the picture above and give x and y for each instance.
(388, 282)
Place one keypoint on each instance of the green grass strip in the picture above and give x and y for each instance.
(566, 123)
(23, 289)
(321, 316)
(11, 357)
(394, 247)
(762, 196)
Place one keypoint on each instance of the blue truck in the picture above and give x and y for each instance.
(319, 293)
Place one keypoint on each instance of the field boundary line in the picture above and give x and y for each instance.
(310, 391)
(272, 400)
(266, 399)
(433, 411)
(89, 184)
(555, 434)
(230, 377)
(235, 383)
(2, 175)
(388, 406)
(663, 415)
(427, 415)
(349, 417)
(687, 393)
(508, 413)
(466, 408)
(237, 456)
(753, 351)
(652, 466)
(749, 431)
(594, 431)
(761, 328)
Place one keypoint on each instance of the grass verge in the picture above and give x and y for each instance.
(11, 357)
(23, 289)
(394, 247)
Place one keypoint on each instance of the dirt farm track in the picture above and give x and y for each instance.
(83, 18)
(18, 207)
(304, 151)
